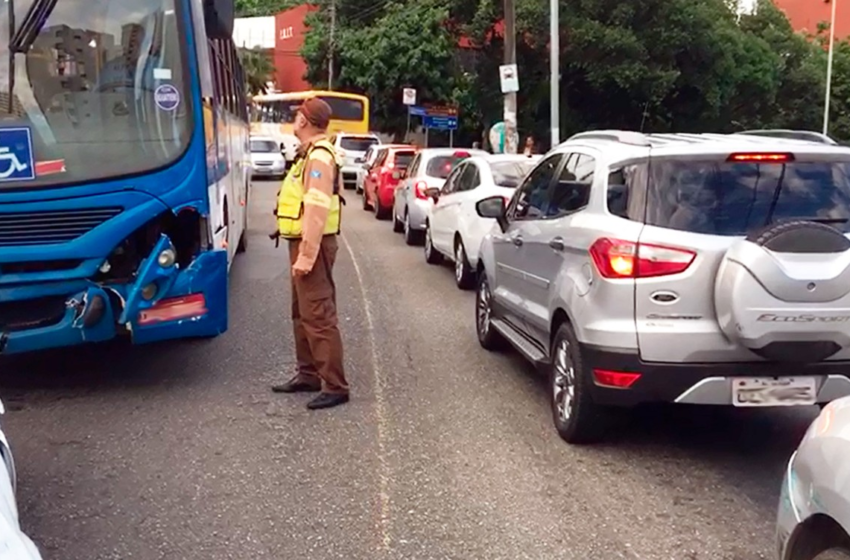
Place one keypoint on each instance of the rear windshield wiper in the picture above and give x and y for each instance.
(31, 25)
(827, 220)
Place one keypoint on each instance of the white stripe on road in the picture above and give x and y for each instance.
(380, 408)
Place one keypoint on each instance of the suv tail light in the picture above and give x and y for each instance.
(615, 258)
(419, 188)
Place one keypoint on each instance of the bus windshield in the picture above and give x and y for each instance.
(101, 93)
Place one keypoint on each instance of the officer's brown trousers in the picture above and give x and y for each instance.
(318, 344)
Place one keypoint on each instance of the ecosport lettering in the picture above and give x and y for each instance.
(804, 318)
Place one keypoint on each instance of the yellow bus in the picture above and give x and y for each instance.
(273, 114)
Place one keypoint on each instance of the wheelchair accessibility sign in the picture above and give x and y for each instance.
(16, 157)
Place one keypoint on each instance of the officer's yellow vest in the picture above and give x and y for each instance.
(290, 200)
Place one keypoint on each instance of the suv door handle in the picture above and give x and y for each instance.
(517, 241)
(558, 244)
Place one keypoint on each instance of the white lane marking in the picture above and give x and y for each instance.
(380, 407)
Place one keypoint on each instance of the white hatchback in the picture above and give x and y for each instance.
(266, 158)
(453, 228)
(14, 544)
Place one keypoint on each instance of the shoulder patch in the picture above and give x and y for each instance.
(316, 174)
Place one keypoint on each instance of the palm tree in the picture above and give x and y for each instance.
(258, 69)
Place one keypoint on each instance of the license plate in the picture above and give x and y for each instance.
(768, 391)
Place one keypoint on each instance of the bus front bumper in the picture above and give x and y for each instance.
(161, 303)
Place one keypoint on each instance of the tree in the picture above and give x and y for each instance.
(655, 65)
(258, 70)
(408, 45)
(255, 8)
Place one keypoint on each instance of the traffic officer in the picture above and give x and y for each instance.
(308, 217)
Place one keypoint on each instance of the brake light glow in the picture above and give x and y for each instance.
(419, 188)
(461, 154)
(618, 379)
(173, 309)
(615, 258)
(762, 157)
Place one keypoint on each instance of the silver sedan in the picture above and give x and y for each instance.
(813, 521)
(428, 169)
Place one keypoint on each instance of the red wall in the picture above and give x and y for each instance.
(289, 37)
(805, 15)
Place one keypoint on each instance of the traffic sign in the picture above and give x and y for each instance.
(417, 111)
(409, 96)
(441, 110)
(440, 122)
(509, 78)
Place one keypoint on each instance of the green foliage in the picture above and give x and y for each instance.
(256, 8)
(258, 69)
(659, 65)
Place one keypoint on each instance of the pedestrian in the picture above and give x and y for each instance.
(308, 217)
(529, 150)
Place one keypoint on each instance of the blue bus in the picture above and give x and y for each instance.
(124, 170)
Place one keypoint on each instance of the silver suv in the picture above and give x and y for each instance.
(687, 268)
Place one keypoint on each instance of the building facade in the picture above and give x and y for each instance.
(806, 15)
(289, 38)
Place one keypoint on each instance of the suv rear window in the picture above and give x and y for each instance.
(440, 166)
(727, 198)
(403, 159)
(355, 144)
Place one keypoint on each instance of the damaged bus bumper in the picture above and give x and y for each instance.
(162, 301)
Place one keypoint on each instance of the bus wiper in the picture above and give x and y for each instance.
(31, 25)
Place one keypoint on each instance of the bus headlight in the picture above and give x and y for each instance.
(167, 258)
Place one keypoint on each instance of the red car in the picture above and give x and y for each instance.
(384, 177)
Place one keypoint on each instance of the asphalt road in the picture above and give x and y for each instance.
(446, 451)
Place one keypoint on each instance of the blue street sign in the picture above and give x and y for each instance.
(440, 122)
(418, 111)
(16, 157)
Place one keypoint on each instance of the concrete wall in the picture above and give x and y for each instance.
(254, 33)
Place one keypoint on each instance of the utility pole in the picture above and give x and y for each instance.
(331, 47)
(510, 58)
(555, 72)
(829, 69)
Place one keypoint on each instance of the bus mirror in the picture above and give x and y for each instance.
(218, 18)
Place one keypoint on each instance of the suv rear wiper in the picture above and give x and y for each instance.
(827, 220)
(31, 25)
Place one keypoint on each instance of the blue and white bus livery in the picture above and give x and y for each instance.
(124, 170)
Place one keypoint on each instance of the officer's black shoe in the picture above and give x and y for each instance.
(328, 400)
(297, 385)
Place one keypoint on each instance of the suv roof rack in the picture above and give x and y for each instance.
(623, 136)
(806, 135)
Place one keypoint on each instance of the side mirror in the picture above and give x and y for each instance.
(433, 193)
(219, 16)
(494, 208)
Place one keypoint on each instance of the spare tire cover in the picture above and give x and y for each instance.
(784, 292)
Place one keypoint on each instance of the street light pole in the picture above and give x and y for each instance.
(555, 72)
(510, 58)
(829, 69)
(331, 47)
